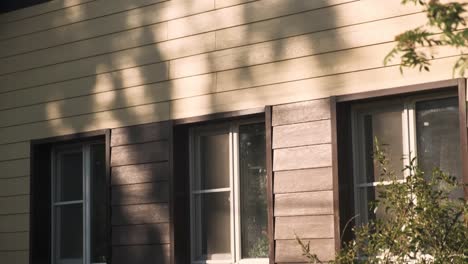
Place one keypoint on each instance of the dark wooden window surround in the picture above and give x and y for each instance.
(11, 5)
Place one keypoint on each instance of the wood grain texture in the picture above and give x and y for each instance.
(140, 234)
(140, 153)
(314, 156)
(319, 179)
(309, 133)
(153, 192)
(140, 214)
(290, 251)
(14, 223)
(305, 227)
(301, 112)
(140, 134)
(141, 254)
(306, 203)
(141, 173)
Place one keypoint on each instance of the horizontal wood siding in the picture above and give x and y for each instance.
(140, 193)
(72, 66)
(303, 180)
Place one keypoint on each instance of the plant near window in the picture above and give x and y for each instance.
(445, 27)
(424, 223)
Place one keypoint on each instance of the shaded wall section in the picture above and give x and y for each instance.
(140, 177)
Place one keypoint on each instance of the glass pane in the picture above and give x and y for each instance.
(69, 233)
(386, 126)
(98, 204)
(214, 161)
(366, 196)
(253, 191)
(438, 138)
(213, 226)
(69, 180)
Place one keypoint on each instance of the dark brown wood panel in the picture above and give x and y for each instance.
(140, 214)
(290, 250)
(140, 153)
(301, 112)
(141, 254)
(308, 203)
(141, 234)
(270, 183)
(140, 133)
(463, 131)
(319, 226)
(153, 192)
(318, 179)
(140, 173)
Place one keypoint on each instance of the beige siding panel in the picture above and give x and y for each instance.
(309, 133)
(104, 25)
(14, 241)
(242, 14)
(14, 186)
(302, 157)
(110, 62)
(14, 205)
(319, 179)
(87, 85)
(70, 15)
(14, 223)
(37, 10)
(14, 168)
(16, 257)
(86, 48)
(320, 226)
(228, 3)
(307, 203)
(301, 112)
(304, 45)
(101, 120)
(134, 96)
(323, 19)
(14, 151)
(290, 250)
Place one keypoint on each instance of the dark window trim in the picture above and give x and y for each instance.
(13, 5)
(341, 138)
(219, 116)
(270, 194)
(35, 145)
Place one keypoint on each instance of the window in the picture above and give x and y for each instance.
(78, 205)
(11, 5)
(425, 127)
(228, 193)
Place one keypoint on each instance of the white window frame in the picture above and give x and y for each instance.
(85, 149)
(409, 134)
(233, 129)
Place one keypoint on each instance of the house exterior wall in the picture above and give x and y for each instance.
(70, 66)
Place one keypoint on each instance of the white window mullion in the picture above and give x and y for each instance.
(233, 197)
(236, 180)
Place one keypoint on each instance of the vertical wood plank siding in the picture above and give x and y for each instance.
(140, 179)
(304, 198)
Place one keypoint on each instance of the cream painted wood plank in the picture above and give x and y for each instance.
(17, 257)
(319, 179)
(293, 47)
(104, 25)
(314, 156)
(318, 20)
(88, 85)
(14, 241)
(14, 223)
(109, 62)
(14, 151)
(40, 9)
(14, 205)
(71, 15)
(134, 96)
(86, 48)
(290, 251)
(14, 168)
(320, 226)
(295, 135)
(14, 186)
(228, 3)
(283, 93)
(306, 203)
(101, 120)
(299, 112)
(242, 14)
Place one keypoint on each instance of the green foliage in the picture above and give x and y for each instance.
(424, 223)
(447, 24)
